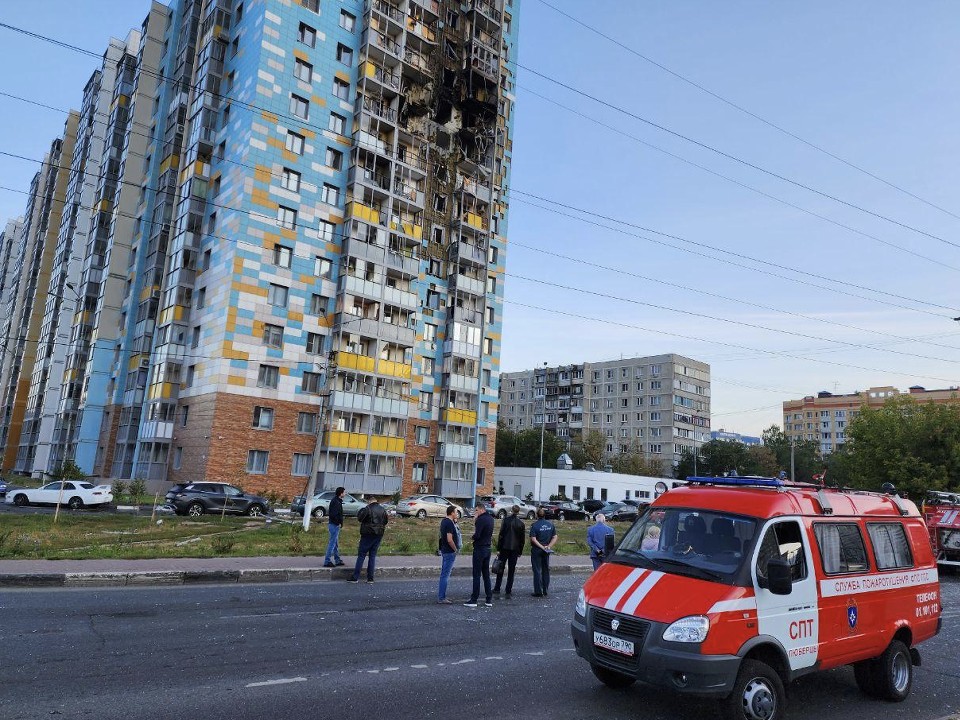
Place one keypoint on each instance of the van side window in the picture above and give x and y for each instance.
(784, 541)
(841, 548)
(890, 545)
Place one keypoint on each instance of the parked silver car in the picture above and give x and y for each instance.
(422, 506)
(501, 506)
(321, 504)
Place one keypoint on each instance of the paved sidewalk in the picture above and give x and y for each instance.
(192, 571)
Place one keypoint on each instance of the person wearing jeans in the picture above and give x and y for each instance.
(482, 540)
(450, 541)
(543, 536)
(373, 521)
(335, 524)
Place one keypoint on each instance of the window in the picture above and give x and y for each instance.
(306, 422)
(301, 465)
(341, 89)
(290, 180)
(310, 382)
(268, 376)
(273, 336)
(491, 284)
(890, 546)
(295, 143)
(428, 366)
(337, 123)
(429, 332)
(191, 374)
(347, 21)
(325, 231)
(488, 346)
(330, 194)
(482, 443)
(282, 256)
(334, 159)
(422, 435)
(318, 304)
(257, 461)
(490, 316)
(426, 400)
(201, 298)
(311, 5)
(783, 541)
(299, 107)
(314, 343)
(321, 267)
(344, 54)
(307, 35)
(303, 70)
(841, 548)
(184, 415)
(286, 217)
(177, 458)
(263, 418)
(277, 295)
(195, 339)
(419, 472)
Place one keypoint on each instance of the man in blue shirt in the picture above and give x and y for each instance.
(543, 536)
(482, 540)
(596, 539)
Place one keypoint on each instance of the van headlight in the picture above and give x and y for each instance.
(581, 608)
(691, 629)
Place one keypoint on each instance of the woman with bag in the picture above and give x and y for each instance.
(449, 544)
(510, 542)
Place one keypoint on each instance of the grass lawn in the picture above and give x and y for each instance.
(82, 536)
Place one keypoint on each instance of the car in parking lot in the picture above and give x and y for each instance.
(3, 487)
(198, 498)
(321, 504)
(422, 506)
(501, 506)
(75, 494)
(563, 511)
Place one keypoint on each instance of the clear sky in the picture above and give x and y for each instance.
(873, 82)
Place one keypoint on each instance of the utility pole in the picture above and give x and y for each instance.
(331, 373)
(543, 427)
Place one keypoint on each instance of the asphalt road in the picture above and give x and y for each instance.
(326, 650)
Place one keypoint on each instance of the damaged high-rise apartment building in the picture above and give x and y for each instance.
(302, 263)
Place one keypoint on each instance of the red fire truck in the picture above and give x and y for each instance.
(941, 513)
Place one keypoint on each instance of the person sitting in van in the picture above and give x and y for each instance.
(651, 539)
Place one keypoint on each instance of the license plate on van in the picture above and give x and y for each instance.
(617, 645)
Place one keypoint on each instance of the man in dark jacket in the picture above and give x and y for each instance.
(335, 524)
(510, 542)
(373, 521)
(482, 540)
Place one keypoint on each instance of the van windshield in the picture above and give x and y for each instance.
(701, 543)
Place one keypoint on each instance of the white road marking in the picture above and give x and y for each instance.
(462, 662)
(420, 667)
(391, 669)
(493, 657)
(534, 653)
(373, 672)
(282, 681)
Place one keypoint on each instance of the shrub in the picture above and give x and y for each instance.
(138, 488)
(296, 538)
(221, 545)
(119, 488)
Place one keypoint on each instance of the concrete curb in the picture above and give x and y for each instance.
(220, 577)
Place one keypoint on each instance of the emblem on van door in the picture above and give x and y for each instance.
(614, 624)
(852, 616)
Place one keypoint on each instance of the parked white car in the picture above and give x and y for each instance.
(76, 494)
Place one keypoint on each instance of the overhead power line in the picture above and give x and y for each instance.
(746, 111)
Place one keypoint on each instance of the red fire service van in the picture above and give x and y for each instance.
(733, 587)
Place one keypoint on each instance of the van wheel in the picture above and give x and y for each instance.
(757, 694)
(865, 673)
(611, 678)
(894, 672)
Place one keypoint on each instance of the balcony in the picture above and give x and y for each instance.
(425, 31)
(404, 262)
(360, 483)
(385, 77)
(472, 186)
(402, 298)
(487, 9)
(459, 417)
(419, 62)
(388, 10)
(357, 324)
(383, 42)
(462, 283)
(409, 192)
(432, 6)
(449, 488)
(465, 252)
(379, 109)
(456, 347)
(359, 402)
(386, 444)
(394, 368)
(354, 361)
(354, 247)
(461, 382)
(367, 213)
(462, 314)
(371, 178)
(400, 334)
(455, 451)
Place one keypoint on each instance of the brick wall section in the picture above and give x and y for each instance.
(109, 425)
(228, 420)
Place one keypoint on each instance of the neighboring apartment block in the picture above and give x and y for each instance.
(659, 405)
(293, 256)
(824, 418)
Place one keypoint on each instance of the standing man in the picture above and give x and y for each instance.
(335, 524)
(450, 542)
(373, 521)
(596, 539)
(482, 539)
(543, 536)
(510, 542)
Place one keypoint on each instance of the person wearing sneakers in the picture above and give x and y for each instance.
(482, 540)
(373, 521)
(449, 546)
(510, 542)
(335, 525)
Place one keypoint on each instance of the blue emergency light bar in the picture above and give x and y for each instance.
(738, 481)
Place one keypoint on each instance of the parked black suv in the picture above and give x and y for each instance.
(197, 498)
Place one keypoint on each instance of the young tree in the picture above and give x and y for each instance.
(635, 462)
(806, 454)
(592, 449)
